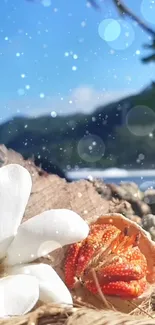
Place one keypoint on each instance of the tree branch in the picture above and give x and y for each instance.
(126, 11)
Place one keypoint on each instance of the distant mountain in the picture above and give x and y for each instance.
(53, 141)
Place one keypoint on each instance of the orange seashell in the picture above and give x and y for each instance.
(122, 255)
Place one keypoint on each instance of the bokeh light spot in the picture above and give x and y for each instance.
(46, 3)
(91, 148)
(148, 10)
(109, 30)
(140, 120)
(21, 92)
(119, 34)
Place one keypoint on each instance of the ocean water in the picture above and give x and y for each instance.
(143, 182)
(145, 179)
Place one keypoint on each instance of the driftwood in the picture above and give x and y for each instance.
(52, 192)
(49, 192)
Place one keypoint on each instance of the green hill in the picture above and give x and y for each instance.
(99, 139)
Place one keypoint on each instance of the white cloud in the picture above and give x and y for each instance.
(87, 99)
(83, 99)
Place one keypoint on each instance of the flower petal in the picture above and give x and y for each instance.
(52, 288)
(18, 294)
(15, 188)
(44, 233)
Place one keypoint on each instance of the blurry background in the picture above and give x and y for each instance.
(78, 86)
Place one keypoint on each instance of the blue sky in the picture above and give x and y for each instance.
(58, 56)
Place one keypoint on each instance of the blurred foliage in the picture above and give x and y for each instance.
(151, 47)
(56, 140)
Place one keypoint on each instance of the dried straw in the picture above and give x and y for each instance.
(52, 314)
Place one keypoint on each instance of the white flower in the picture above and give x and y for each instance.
(20, 244)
